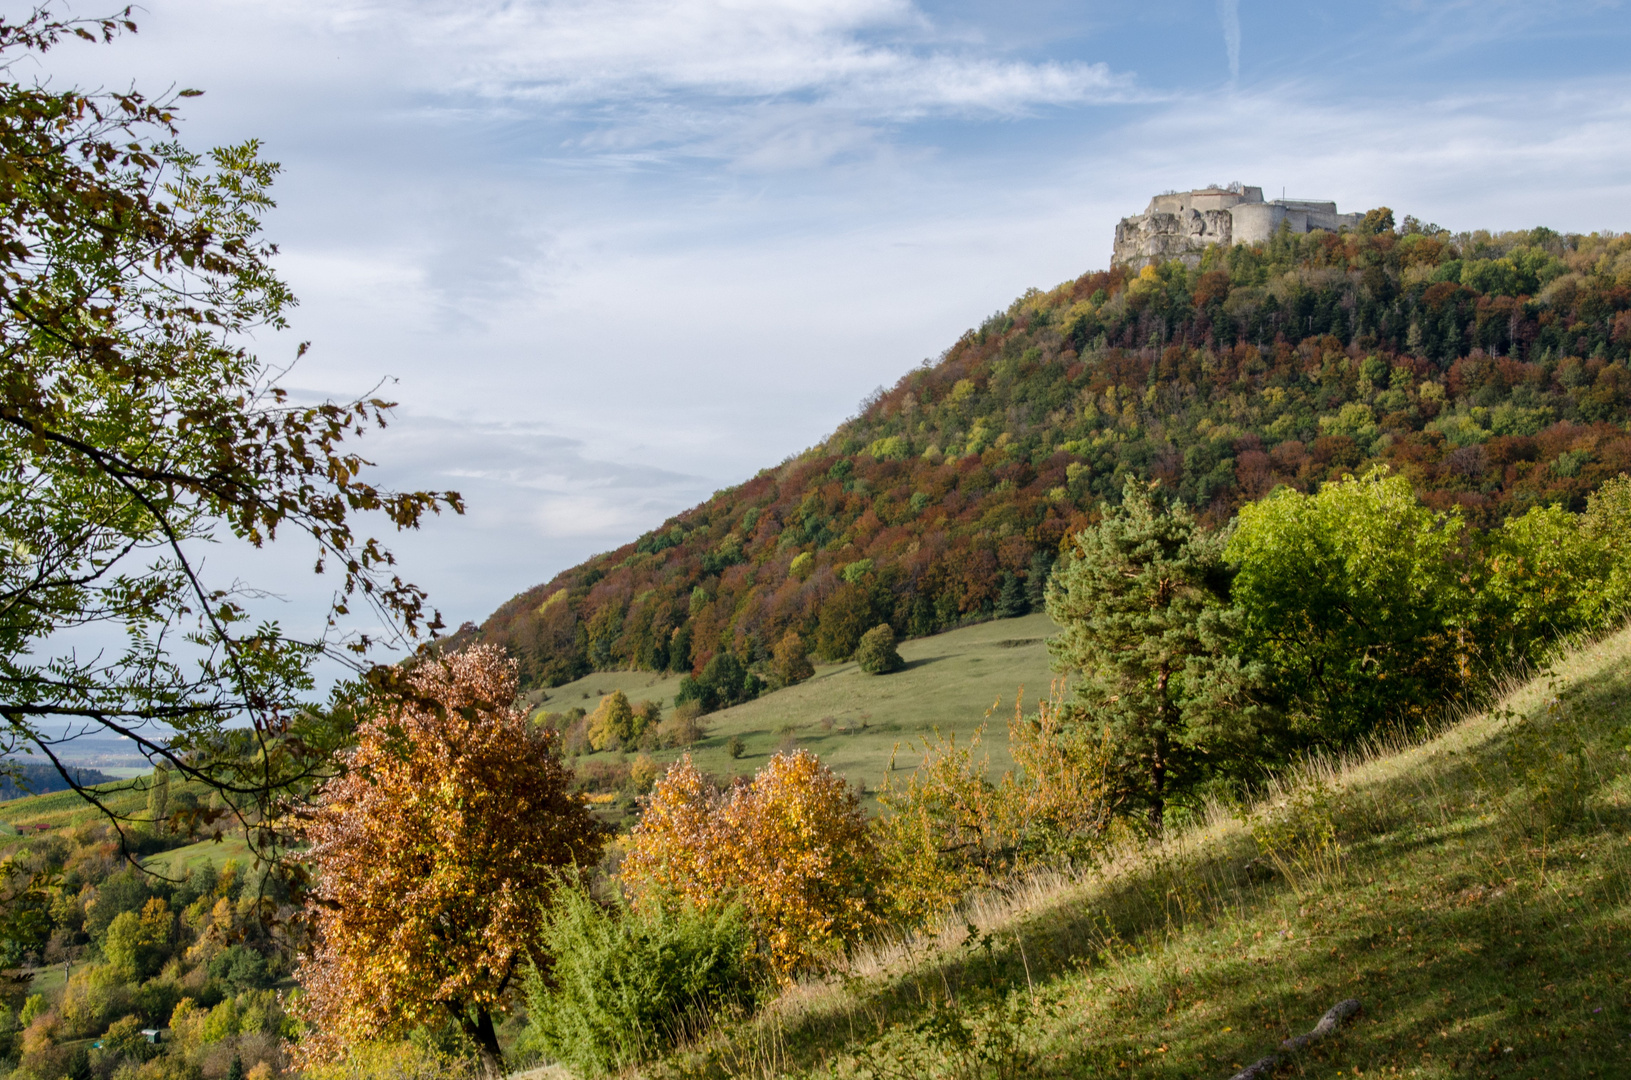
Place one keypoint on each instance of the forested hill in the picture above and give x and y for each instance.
(1489, 369)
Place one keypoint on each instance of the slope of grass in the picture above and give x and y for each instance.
(853, 720)
(1472, 891)
(62, 808)
(128, 797)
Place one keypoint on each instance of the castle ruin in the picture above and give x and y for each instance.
(1181, 224)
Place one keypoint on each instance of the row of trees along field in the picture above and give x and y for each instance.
(1488, 370)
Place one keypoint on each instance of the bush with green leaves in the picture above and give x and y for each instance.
(876, 654)
(626, 983)
(724, 681)
(1352, 598)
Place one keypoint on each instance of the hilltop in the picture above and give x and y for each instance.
(1491, 370)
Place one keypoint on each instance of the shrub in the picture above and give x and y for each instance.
(950, 828)
(876, 653)
(1350, 598)
(723, 682)
(625, 984)
(647, 715)
(385, 1060)
(1544, 577)
(682, 728)
(575, 734)
(792, 846)
(735, 747)
(643, 772)
(1607, 521)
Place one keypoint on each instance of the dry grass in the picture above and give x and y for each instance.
(1473, 889)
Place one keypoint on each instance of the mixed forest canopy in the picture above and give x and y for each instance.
(1490, 370)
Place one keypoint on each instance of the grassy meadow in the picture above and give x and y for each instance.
(66, 809)
(1473, 891)
(853, 720)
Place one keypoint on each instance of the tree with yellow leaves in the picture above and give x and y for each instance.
(436, 855)
(792, 846)
(614, 723)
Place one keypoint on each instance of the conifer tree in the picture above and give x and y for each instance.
(1011, 599)
(1130, 601)
(1036, 580)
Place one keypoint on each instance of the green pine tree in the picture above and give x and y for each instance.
(1131, 601)
(1036, 580)
(1011, 599)
(235, 1071)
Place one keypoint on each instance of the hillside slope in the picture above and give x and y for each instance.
(854, 721)
(1473, 892)
(1490, 370)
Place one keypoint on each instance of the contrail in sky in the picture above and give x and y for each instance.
(1229, 12)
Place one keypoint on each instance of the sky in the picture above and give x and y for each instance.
(612, 256)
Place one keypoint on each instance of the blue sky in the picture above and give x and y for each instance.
(617, 255)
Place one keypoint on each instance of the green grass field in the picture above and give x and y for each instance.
(855, 721)
(66, 809)
(1473, 892)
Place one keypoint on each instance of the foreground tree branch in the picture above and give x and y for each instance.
(136, 428)
(1342, 1010)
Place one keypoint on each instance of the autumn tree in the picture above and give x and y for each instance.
(792, 846)
(137, 428)
(949, 827)
(1129, 601)
(436, 856)
(842, 620)
(790, 663)
(613, 723)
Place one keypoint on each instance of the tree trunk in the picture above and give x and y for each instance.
(1158, 757)
(481, 1032)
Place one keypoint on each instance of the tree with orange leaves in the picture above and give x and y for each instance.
(436, 855)
(792, 846)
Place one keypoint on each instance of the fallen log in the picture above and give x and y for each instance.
(1339, 1012)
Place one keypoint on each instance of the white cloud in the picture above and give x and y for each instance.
(882, 57)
